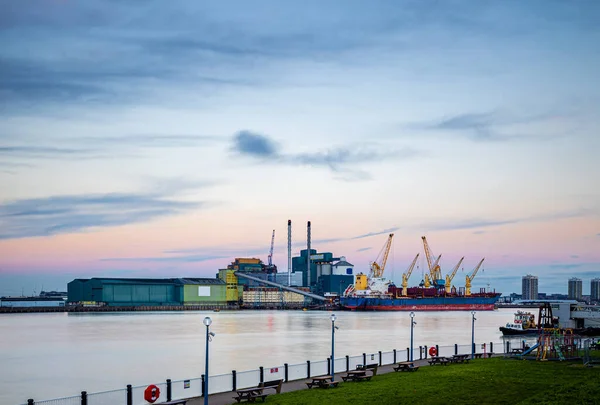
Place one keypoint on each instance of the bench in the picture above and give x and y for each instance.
(372, 367)
(478, 355)
(275, 384)
(406, 366)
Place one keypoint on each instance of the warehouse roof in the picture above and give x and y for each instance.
(343, 263)
(199, 281)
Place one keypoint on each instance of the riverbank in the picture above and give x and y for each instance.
(496, 380)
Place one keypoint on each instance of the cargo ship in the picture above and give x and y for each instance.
(434, 293)
(417, 299)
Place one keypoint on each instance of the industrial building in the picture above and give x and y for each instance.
(272, 297)
(575, 289)
(595, 289)
(530, 287)
(327, 274)
(148, 292)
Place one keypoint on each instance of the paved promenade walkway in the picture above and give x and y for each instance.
(226, 398)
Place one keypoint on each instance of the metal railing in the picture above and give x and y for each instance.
(194, 387)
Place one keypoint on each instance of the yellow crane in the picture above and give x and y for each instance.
(427, 282)
(376, 268)
(471, 277)
(451, 275)
(407, 274)
(434, 269)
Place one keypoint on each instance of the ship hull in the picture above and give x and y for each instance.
(419, 304)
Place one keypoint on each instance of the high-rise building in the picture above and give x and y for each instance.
(595, 289)
(575, 288)
(530, 287)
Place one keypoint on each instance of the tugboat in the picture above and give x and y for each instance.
(523, 324)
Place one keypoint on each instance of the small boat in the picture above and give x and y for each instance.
(523, 324)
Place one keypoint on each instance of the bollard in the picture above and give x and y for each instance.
(491, 347)
(83, 398)
(394, 356)
(420, 352)
(169, 390)
(380, 358)
(30, 402)
(307, 368)
(329, 365)
(233, 380)
(202, 379)
(455, 348)
(130, 394)
(262, 374)
(347, 363)
(437, 350)
(407, 354)
(364, 359)
(285, 372)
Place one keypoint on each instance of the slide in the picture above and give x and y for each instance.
(530, 349)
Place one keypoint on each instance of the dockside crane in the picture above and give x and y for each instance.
(451, 275)
(427, 282)
(406, 276)
(434, 269)
(471, 277)
(377, 269)
(270, 257)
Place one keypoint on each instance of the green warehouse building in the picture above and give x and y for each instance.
(148, 291)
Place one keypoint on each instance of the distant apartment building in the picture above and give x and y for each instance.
(530, 287)
(575, 289)
(595, 289)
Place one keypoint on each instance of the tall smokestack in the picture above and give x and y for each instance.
(308, 255)
(289, 252)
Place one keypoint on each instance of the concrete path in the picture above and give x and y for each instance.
(226, 398)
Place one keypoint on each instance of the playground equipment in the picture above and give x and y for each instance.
(557, 344)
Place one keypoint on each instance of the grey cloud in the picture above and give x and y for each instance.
(479, 232)
(480, 223)
(483, 127)
(176, 259)
(364, 249)
(262, 147)
(385, 231)
(574, 257)
(255, 145)
(79, 213)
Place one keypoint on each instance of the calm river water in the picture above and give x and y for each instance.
(45, 356)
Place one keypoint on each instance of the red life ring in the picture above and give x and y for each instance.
(151, 393)
(432, 351)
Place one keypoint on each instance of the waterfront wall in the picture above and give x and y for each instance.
(194, 387)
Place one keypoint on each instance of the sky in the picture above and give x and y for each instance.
(164, 139)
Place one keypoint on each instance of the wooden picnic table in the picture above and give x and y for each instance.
(250, 394)
(356, 375)
(460, 358)
(439, 360)
(406, 366)
(322, 382)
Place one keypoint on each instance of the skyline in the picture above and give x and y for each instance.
(166, 140)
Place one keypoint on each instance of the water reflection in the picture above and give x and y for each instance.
(52, 355)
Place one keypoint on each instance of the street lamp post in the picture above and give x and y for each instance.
(207, 321)
(333, 328)
(473, 334)
(412, 324)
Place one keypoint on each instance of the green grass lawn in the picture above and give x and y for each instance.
(486, 381)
